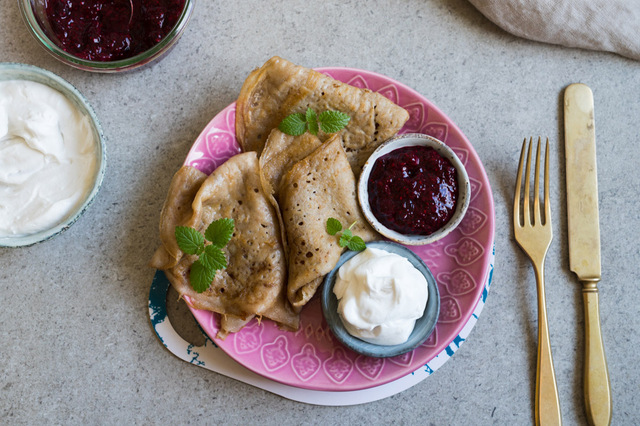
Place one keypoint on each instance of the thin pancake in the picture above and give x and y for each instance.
(280, 153)
(254, 281)
(280, 88)
(230, 324)
(176, 211)
(318, 187)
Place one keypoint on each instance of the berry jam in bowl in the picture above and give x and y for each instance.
(414, 189)
(106, 35)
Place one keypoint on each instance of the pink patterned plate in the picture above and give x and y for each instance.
(312, 358)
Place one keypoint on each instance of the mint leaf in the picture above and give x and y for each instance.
(333, 226)
(213, 258)
(312, 121)
(356, 244)
(201, 276)
(344, 240)
(333, 121)
(219, 232)
(189, 240)
(328, 121)
(294, 124)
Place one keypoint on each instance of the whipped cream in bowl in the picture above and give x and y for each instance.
(381, 302)
(52, 156)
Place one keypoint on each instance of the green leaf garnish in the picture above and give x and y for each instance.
(312, 121)
(294, 124)
(333, 121)
(328, 121)
(201, 276)
(333, 226)
(211, 258)
(219, 232)
(344, 240)
(189, 240)
(356, 244)
(346, 237)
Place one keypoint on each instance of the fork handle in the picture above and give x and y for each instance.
(547, 400)
(597, 389)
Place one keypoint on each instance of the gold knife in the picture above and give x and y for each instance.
(584, 242)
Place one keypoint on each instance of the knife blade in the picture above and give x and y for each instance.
(584, 241)
(582, 183)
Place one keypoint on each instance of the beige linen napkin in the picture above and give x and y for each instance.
(609, 25)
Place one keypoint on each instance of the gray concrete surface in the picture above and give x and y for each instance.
(76, 346)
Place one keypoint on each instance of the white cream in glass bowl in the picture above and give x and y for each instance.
(52, 156)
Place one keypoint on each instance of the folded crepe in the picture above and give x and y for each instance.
(280, 153)
(254, 282)
(320, 186)
(280, 88)
(176, 211)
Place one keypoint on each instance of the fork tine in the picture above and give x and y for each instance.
(536, 188)
(527, 180)
(547, 204)
(516, 196)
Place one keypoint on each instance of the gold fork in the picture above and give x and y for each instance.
(534, 237)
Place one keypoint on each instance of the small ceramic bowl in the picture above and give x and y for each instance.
(14, 71)
(415, 139)
(33, 13)
(423, 328)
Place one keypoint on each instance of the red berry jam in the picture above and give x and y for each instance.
(413, 190)
(108, 30)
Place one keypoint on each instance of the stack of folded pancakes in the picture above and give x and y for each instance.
(280, 191)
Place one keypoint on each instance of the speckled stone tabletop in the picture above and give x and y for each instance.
(76, 345)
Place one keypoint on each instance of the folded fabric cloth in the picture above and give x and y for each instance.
(608, 25)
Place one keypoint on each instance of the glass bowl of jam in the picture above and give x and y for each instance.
(106, 35)
(414, 189)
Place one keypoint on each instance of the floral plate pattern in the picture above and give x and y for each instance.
(312, 358)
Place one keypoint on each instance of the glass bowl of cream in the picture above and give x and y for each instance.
(381, 302)
(104, 35)
(52, 155)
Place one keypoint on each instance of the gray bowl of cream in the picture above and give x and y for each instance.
(423, 327)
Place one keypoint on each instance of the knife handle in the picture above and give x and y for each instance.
(597, 389)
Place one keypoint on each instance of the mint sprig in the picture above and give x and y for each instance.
(312, 121)
(219, 232)
(294, 124)
(189, 240)
(347, 239)
(201, 276)
(328, 121)
(333, 226)
(210, 256)
(333, 121)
